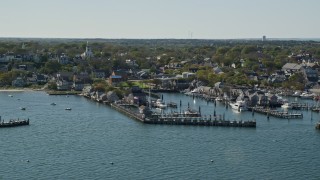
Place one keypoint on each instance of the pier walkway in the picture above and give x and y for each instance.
(275, 113)
(173, 119)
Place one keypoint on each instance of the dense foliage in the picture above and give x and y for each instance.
(236, 58)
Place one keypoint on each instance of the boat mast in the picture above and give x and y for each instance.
(149, 97)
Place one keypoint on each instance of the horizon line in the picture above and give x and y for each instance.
(93, 38)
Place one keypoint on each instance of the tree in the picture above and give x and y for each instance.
(222, 50)
(52, 86)
(295, 81)
(8, 77)
(157, 82)
(52, 67)
(249, 49)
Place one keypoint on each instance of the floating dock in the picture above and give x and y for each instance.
(275, 113)
(300, 106)
(14, 123)
(183, 120)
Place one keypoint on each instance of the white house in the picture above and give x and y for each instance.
(187, 74)
(64, 59)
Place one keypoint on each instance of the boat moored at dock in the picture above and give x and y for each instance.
(306, 95)
(172, 105)
(286, 106)
(160, 104)
(239, 105)
(192, 113)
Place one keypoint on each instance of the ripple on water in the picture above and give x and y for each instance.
(81, 143)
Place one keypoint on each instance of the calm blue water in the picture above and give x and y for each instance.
(81, 143)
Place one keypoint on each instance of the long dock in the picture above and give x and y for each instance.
(183, 120)
(300, 106)
(279, 114)
(134, 115)
(199, 121)
(14, 123)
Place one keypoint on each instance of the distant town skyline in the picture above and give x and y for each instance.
(160, 19)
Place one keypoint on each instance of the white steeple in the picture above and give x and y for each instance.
(88, 53)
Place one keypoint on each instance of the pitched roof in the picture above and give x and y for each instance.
(292, 66)
(116, 77)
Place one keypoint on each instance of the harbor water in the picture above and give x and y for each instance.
(93, 141)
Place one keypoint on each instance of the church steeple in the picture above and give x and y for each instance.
(88, 53)
(88, 48)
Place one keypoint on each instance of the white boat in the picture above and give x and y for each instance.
(192, 113)
(10, 95)
(286, 106)
(69, 109)
(307, 95)
(296, 94)
(196, 90)
(160, 104)
(142, 109)
(53, 104)
(239, 105)
(22, 108)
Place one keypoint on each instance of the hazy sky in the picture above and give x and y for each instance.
(199, 19)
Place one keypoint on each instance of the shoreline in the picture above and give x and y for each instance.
(19, 90)
(49, 92)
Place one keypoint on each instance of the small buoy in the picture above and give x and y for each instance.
(211, 160)
(111, 162)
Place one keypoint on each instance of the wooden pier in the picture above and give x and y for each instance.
(275, 113)
(128, 112)
(300, 106)
(171, 119)
(199, 121)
